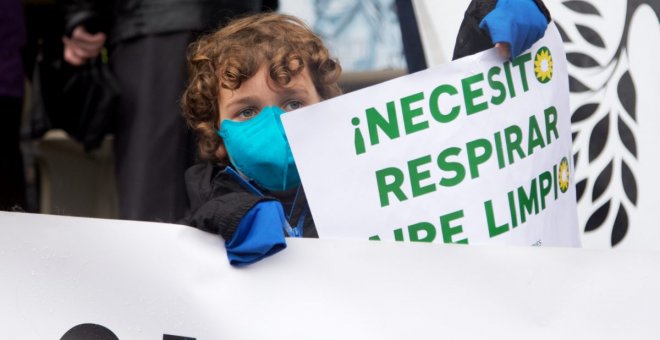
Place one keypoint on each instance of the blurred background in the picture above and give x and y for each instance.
(612, 48)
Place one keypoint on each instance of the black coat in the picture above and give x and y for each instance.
(218, 202)
(126, 19)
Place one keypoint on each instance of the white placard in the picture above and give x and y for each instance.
(475, 151)
(143, 280)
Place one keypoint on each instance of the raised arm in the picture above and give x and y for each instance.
(511, 25)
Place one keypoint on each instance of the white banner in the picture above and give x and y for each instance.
(475, 151)
(135, 281)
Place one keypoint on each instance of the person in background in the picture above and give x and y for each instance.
(147, 42)
(12, 84)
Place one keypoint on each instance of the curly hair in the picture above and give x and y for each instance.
(233, 54)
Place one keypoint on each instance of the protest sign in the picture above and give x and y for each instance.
(475, 151)
(67, 278)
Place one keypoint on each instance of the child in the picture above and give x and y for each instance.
(242, 78)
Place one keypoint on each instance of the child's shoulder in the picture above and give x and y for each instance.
(200, 175)
(208, 180)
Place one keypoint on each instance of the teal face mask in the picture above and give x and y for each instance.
(258, 148)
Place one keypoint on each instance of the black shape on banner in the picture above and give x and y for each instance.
(598, 138)
(620, 227)
(176, 337)
(582, 7)
(579, 189)
(627, 94)
(87, 331)
(583, 112)
(602, 182)
(562, 33)
(576, 86)
(627, 137)
(590, 35)
(581, 60)
(598, 217)
(629, 182)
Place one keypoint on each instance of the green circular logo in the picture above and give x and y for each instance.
(563, 175)
(543, 65)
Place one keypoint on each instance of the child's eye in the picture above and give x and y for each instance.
(246, 114)
(293, 105)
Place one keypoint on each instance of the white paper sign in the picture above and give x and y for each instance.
(475, 151)
(137, 280)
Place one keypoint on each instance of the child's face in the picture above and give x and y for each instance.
(261, 91)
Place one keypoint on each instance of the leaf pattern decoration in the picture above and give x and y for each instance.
(562, 33)
(604, 126)
(580, 188)
(576, 86)
(581, 59)
(590, 35)
(602, 182)
(620, 227)
(626, 91)
(583, 112)
(598, 138)
(583, 7)
(627, 137)
(629, 182)
(598, 217)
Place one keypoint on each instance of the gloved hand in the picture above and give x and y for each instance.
(258, 235)
(518, 23)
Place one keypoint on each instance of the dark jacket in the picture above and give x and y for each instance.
(219, 200)
(126, 19)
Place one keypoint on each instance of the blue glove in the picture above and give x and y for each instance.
(520, 23)
(259, 234)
